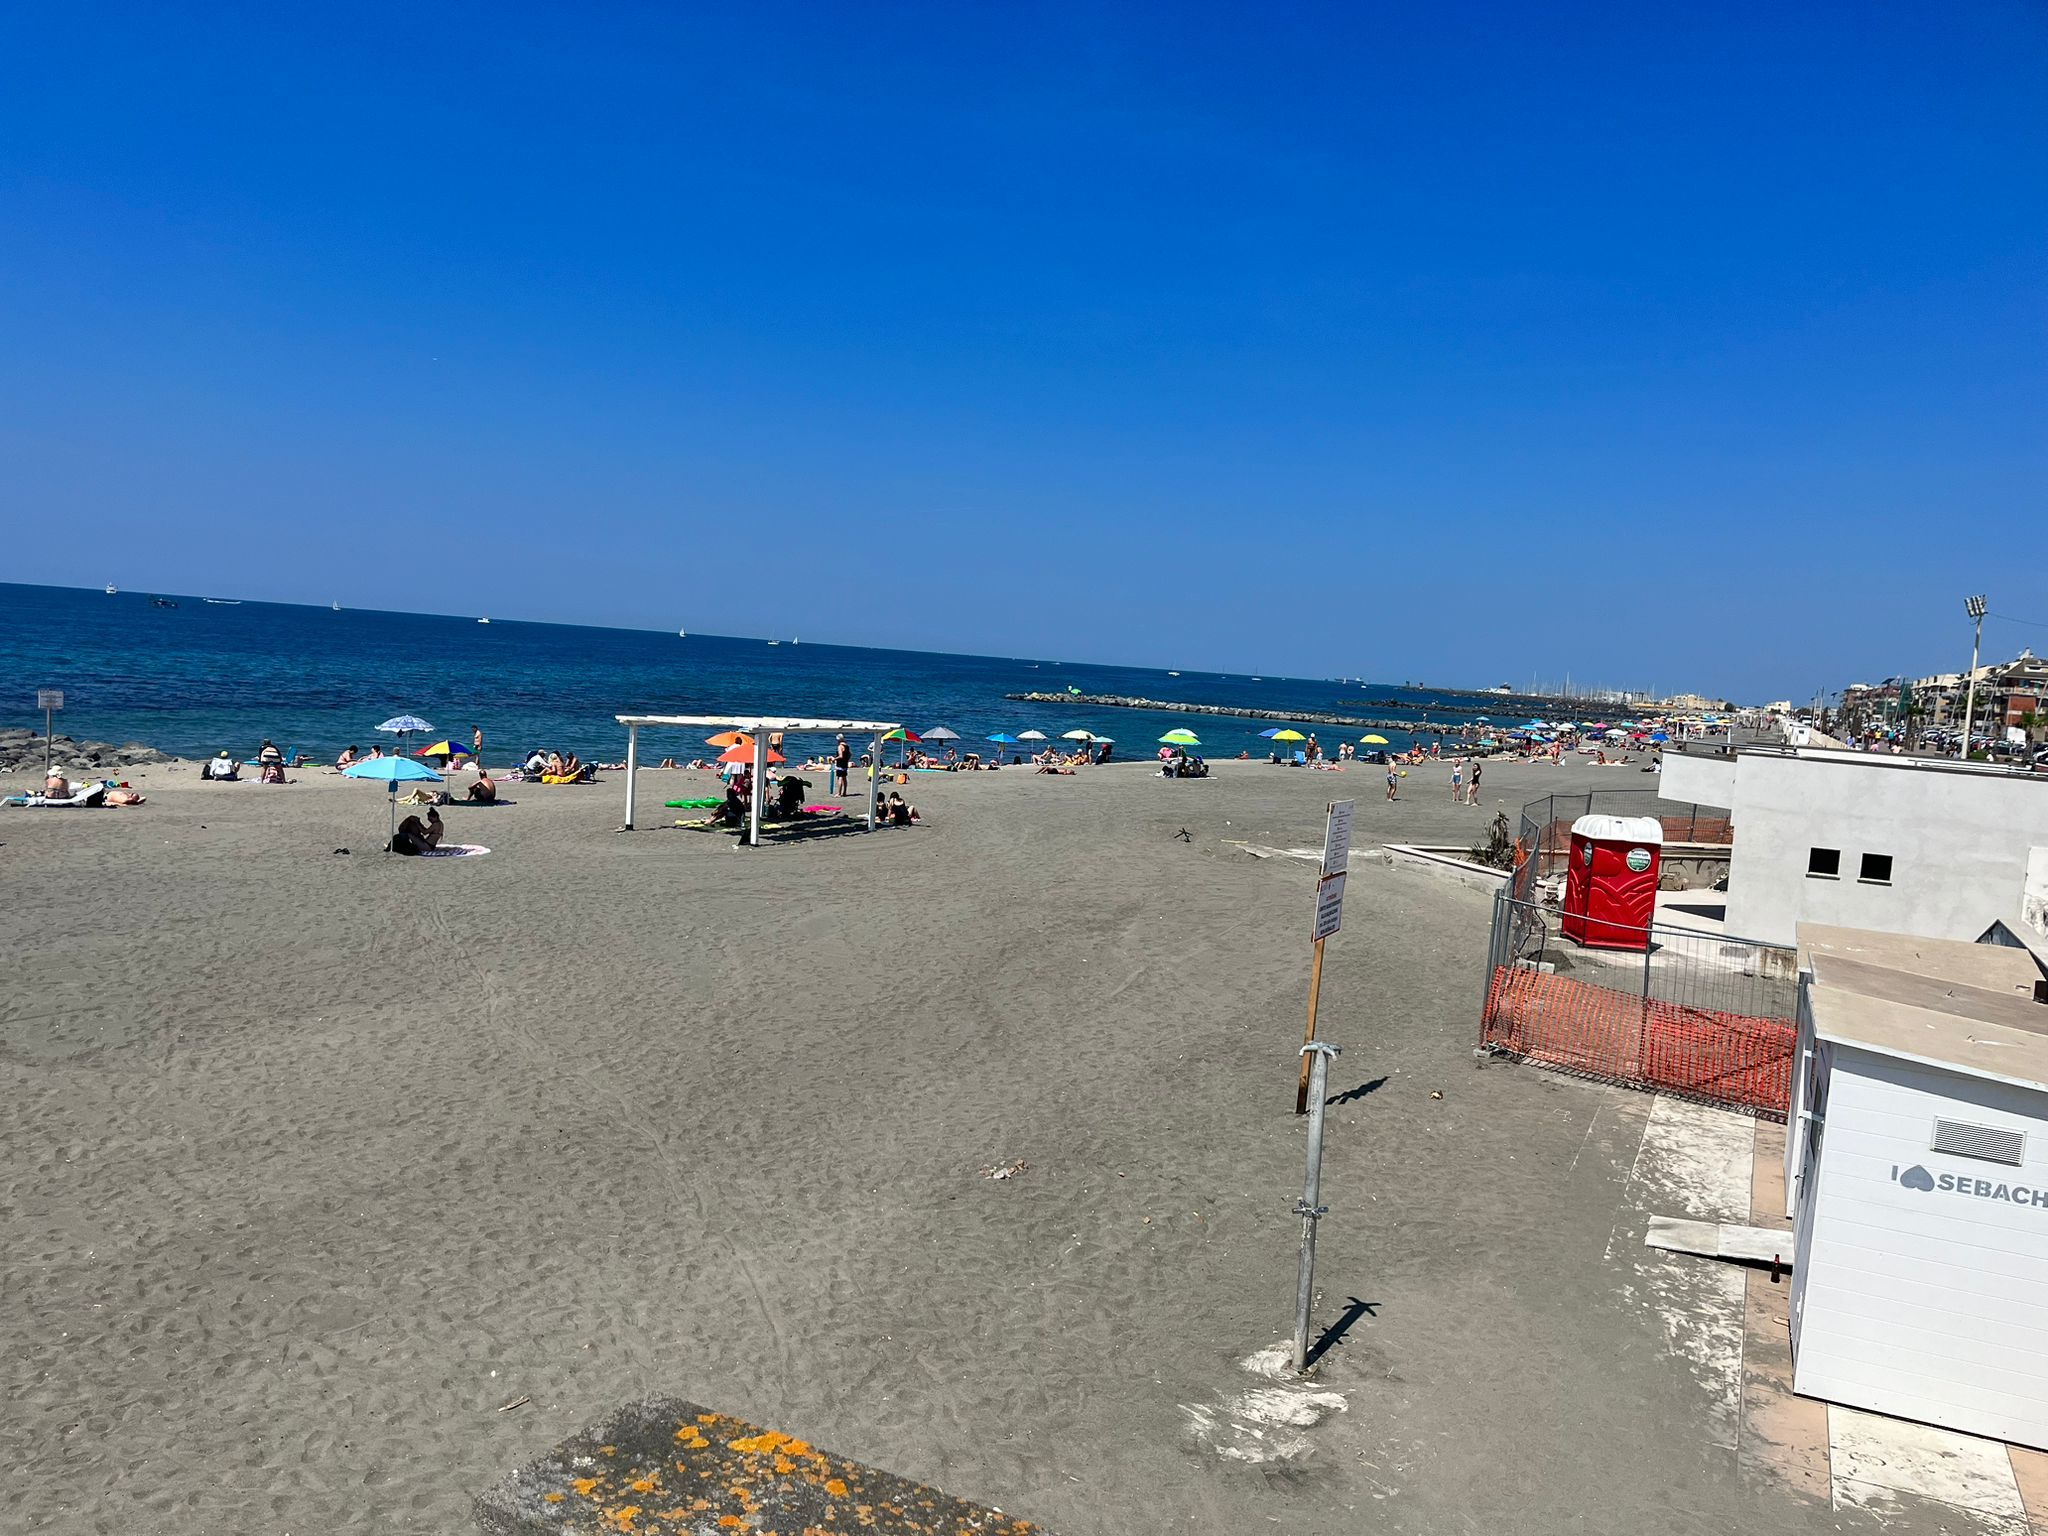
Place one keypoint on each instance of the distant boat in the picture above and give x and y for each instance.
(112, 589)
(337, 607)
(1173, 674)
(483, 621)
(225, 602)
(162, 602)
(682, 634)
(793, 640)
(775, 642)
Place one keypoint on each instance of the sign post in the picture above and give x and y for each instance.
(49, 701)
(1328, 919)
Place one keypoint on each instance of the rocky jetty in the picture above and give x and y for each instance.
(22, 752)
(1304, 717)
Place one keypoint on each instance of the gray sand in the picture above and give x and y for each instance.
(312, 1162)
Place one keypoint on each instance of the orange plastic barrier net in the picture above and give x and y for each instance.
(1723, 1058)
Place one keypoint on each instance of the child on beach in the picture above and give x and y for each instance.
(1393, 780)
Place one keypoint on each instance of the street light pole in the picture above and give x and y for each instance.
(1974, 607)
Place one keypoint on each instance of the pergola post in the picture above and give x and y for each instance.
(760, 787)
(632, 769)
(874, 778)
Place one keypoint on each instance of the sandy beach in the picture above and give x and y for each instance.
(313, 1162)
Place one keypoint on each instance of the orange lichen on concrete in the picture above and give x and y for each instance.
(715, 1472)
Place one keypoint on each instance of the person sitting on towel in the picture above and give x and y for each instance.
(432, 833)
(901, 812)
(485, 790)
(221, 768)
(411, 837)
(348, 756)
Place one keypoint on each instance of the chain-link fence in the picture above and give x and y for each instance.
(1698, 1014)
(1545, 839)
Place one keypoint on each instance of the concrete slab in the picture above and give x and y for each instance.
(1720, 1240)
(671, 1465)
(1919, 1462)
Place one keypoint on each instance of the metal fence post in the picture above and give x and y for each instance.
(1308, 1207)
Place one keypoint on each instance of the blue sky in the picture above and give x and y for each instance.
(1681, 346)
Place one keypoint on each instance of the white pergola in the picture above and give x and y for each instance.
(758, 727)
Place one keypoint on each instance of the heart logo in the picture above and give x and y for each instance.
(1917, 1177)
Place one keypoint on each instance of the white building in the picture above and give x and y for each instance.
(1868, 840)
(1917, 1177)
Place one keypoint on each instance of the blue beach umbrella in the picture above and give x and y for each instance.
(404, 726)
(392, 771)
(1270, 732)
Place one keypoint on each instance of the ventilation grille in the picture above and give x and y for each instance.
(1992, 1145)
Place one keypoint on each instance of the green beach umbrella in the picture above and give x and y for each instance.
(1181, 737)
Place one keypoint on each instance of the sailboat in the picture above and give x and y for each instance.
(337, 607)
(682, 634)
(795, 640)
(112, 589)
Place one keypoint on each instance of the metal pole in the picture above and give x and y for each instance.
(1308, 1037)
(46, 741)
(1318, 1055)
(632, 769)
(874, 777)
(760, 785)
(1974, 606)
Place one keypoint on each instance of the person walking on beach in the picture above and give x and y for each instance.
(1312, 752)
(842, 765)
(1393, 779)
(1472, 794)
(1457, 781)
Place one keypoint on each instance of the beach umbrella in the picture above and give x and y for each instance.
(729, 739)
(746, 755)
(940, 733)
(1270, 732)
(404, 725)
(391, 771)
(1659, 736)
(1288, 735)
(1002, 738)
(1181, 737)
(1373, 741)
(1031, 735)
(906, 735)
(441, 749)
(1077, 736)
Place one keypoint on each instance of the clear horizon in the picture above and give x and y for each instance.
(1688, 350)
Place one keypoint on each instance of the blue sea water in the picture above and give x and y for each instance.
(201, 676)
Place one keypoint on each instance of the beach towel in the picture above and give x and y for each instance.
(481, 805)
(561, 778)
(693, 805)
(454, 851)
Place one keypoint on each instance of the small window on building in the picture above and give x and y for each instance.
(1823, 863)
(1876, 869)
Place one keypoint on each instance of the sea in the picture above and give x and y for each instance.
(205, 674)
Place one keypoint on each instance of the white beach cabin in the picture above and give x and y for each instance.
(1917, 1176)
(759, 727)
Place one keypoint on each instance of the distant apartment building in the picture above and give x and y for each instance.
(2007, 693)
(1870, 840)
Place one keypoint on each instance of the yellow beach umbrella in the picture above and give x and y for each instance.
(1374, 741)
(1289, 736)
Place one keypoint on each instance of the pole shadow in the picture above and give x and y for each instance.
(1331, 1336)
(1352, 1095)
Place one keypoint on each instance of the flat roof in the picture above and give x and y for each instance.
(1945, 1003)
(759, 723)
(1903, 760)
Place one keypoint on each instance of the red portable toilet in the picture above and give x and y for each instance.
(1610, 888)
